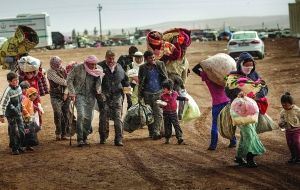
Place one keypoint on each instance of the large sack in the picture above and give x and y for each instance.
(265, 123)
(225, 126)
(137, 116)
(191, 109)
(218, 66)
(244, 111)
(29, 64)
(22, 42)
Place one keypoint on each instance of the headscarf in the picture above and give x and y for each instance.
(55, 62)
(31, 91)
(244, 57)
(92, 59)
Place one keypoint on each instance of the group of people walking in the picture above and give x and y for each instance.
(141, 79)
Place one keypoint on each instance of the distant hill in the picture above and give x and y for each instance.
(239, 23)
(236, 23)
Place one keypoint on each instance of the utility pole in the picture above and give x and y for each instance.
(100, 8)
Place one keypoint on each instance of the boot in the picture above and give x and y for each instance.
(241, 161)
(250, 160)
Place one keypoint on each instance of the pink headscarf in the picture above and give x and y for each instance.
(92, 59)
(55, 62)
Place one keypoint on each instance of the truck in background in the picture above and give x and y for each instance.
(38, 22)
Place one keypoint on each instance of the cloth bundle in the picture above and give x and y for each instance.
(138, 116)
(29, 64)
(244, 111)
(170, 45)
(22, 42)
(225, 126)
(217, 67)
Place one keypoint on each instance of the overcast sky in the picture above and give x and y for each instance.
(83, 14)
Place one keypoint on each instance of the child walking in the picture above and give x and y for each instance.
(11, 108)
(170, 97)
(290, 120)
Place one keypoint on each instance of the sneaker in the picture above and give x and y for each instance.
(251, 164)
(180, 142)
(21, 150)
(63, 138)
(167, 141)
(102, 141)
(29, 148)
(231, 145)
(241, 161)
(156, 137)
(119, 143)
(80, 143)
(57, 138)
(211, 148)
(15, 152)
(291, 161)
(86, 142)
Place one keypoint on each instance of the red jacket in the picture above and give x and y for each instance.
(171, 99)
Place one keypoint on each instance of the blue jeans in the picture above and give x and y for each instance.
(216, 109)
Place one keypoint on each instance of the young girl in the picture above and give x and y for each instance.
(169, 111)
(290, 120)
(28, 117)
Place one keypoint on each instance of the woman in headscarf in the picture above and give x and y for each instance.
(246, 82)
(57, 79)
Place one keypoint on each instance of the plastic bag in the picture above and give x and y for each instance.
(265, 123)
(244, 111)
(191, 109)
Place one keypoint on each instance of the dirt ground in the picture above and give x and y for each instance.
(146, 164)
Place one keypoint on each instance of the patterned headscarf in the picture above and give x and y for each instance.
(31, 91)
(55, 62)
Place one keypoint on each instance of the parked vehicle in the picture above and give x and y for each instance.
(246, 41)
(58, 41)
(38, 22)
(263, 35)
(224, 36)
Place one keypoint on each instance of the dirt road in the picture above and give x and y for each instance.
(146, 164)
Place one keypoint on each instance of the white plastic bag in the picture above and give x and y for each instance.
(244, 111)
(191, 109)
(29, 64)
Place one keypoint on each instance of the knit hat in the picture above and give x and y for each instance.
(30, 91)
(55, 62)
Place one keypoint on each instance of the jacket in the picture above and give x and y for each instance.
(143, 75)
(77, 78)
(11, 102)
(113, 82)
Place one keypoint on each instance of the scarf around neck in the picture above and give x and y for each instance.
(95, 72)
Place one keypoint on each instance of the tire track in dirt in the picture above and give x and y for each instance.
(146, 173)
(198, 169)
